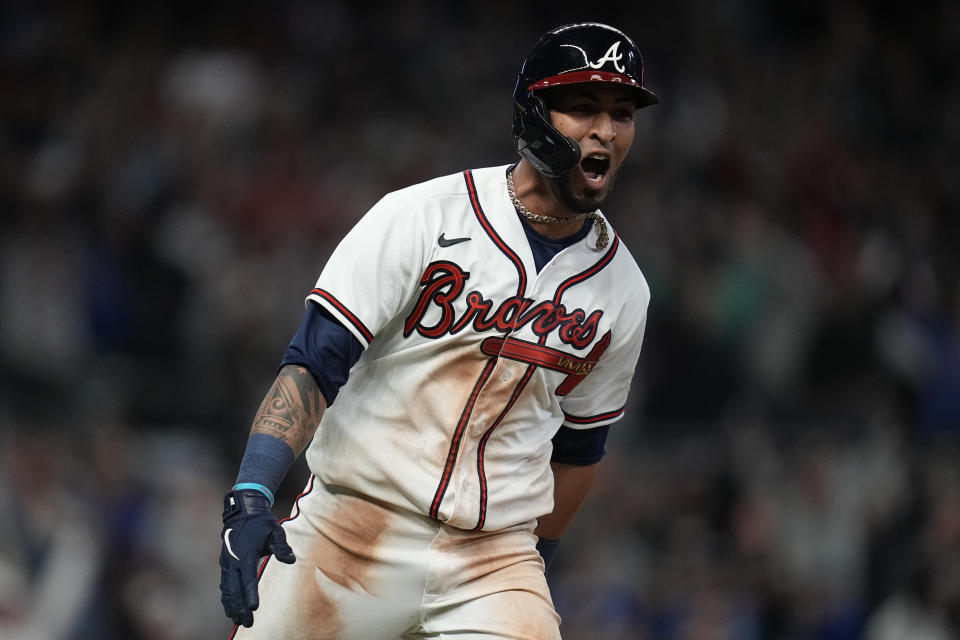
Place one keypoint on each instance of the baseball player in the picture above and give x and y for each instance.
(461, 358)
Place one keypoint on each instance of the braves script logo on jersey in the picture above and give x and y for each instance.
(443, 283)
(612, 55)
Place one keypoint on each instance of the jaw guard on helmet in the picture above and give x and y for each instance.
(571, 54)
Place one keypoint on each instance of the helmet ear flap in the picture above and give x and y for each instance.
(537, 140)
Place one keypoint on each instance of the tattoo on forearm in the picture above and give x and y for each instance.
(291, 409)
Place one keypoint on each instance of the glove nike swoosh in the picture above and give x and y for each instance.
(226, 541)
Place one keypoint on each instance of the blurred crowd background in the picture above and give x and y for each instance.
(174, 175)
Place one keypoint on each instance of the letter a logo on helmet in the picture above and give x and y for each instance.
(571, 54)
(610, 55)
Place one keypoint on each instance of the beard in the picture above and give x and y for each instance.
(591, 200)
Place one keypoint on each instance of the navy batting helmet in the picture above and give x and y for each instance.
(571, 54)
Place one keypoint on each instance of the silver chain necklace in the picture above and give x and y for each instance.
(602, 236)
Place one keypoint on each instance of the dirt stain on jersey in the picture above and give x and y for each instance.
(503, 567)
(541, 629)
(442, 397)
(317, 607)
(349, 549)
(486, 555)
(446, 391)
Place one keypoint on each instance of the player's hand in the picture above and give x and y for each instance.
(250, 531)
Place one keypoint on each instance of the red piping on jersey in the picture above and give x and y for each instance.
(540, 354)
(468, 409)
(566, 284)
(497, 240)
(293, 514)
(339, 306)
(587, 273)
(536, 355)
(457, 437)
(610, 415)
(486, 436)
(569, 282)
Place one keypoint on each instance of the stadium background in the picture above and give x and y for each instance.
(172, 177)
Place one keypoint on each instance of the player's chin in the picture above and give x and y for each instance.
(575, 195)
(586, 203)
(591, 198)
(593, 188)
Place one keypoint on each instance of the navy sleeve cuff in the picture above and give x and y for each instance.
(326, 348)
(581, 447)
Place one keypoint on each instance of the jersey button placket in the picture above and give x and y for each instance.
(503, 373)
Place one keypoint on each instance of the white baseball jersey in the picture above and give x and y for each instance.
(473, 360)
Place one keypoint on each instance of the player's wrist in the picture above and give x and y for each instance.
(265, 463)
(253, 486)
(244, 502)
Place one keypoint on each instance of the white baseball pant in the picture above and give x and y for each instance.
(369, 571)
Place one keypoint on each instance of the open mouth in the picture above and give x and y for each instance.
(595, 167)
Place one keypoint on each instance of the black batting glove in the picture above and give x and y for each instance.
(250, 532)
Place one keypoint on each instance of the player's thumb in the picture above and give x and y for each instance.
(279, 548)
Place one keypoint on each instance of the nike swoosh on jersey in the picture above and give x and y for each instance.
(226, 541)
(443, 242)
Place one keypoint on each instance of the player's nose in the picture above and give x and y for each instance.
(604, 129)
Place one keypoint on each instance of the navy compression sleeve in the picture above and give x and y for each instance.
(581, 447)
(325, 348)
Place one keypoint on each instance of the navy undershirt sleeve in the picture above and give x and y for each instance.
(325, 348)
(581, 447)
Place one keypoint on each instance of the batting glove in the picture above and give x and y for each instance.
(250, 532)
